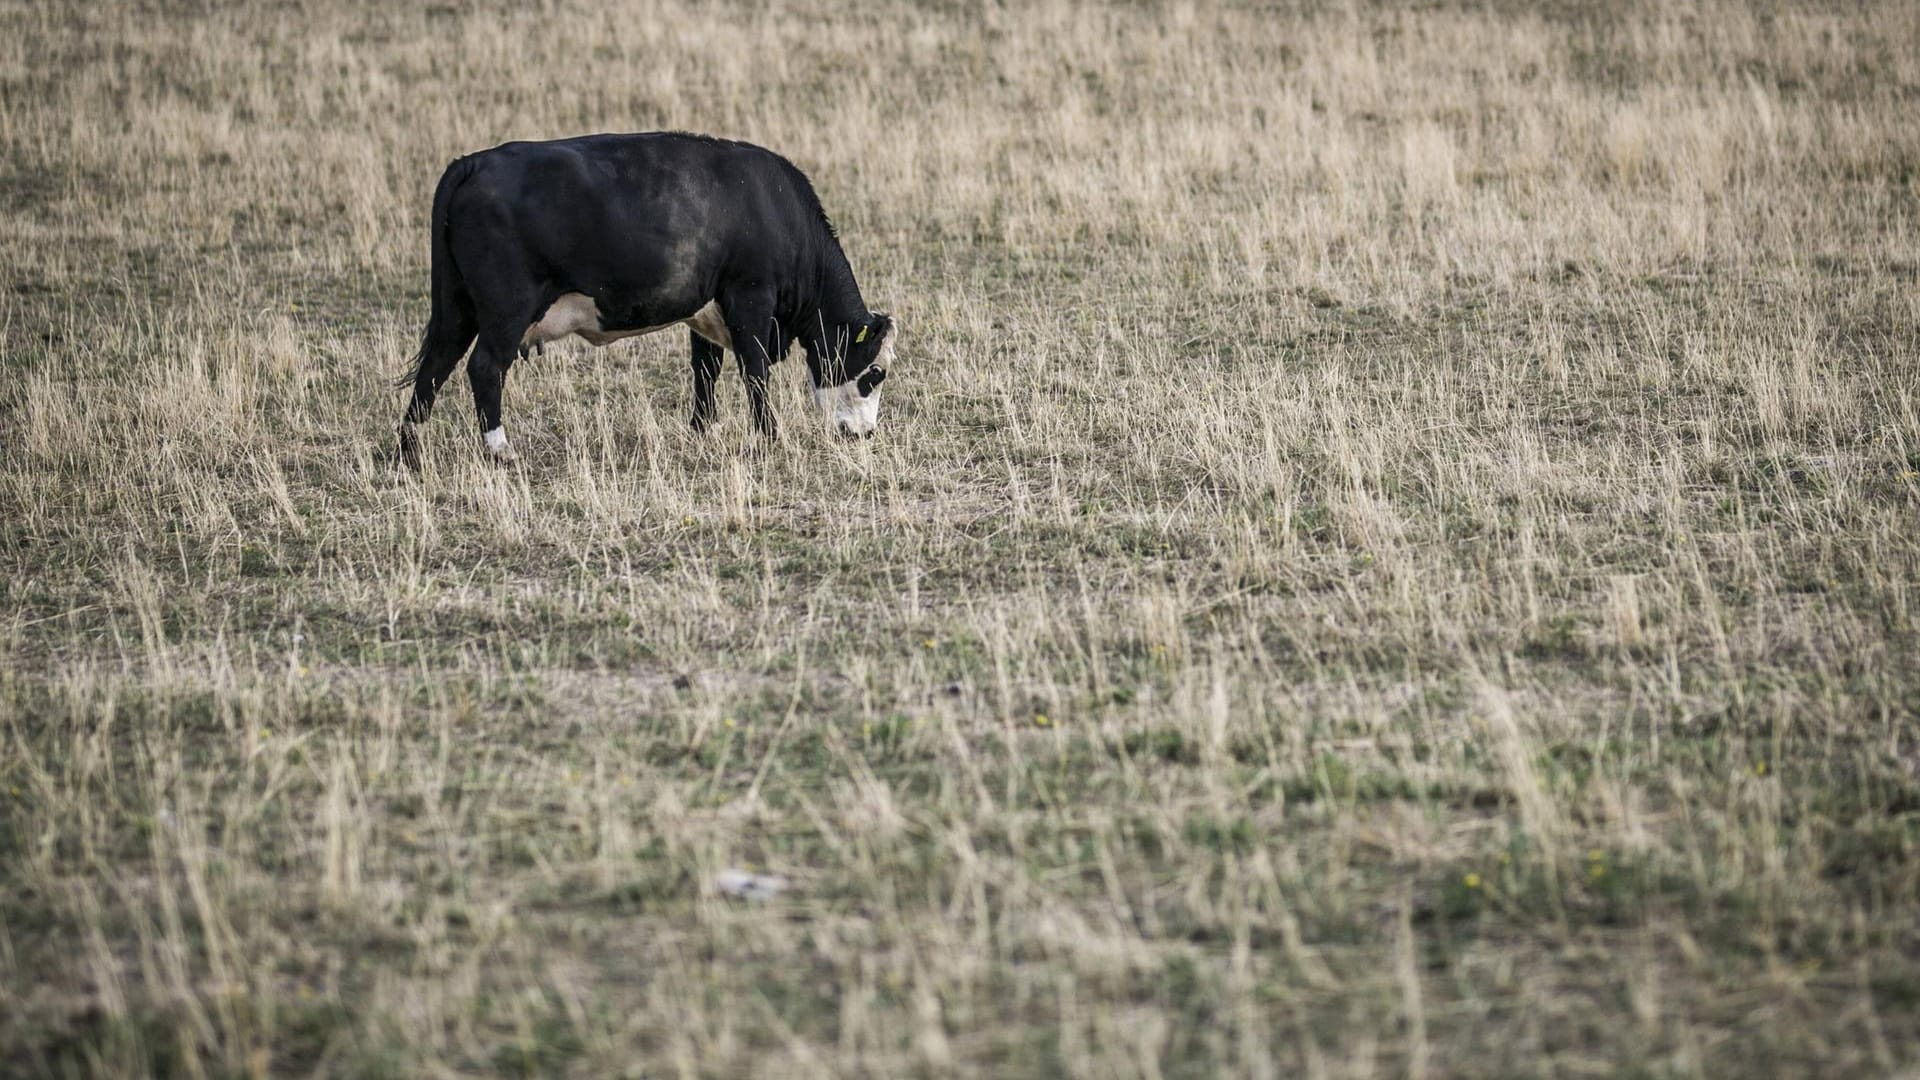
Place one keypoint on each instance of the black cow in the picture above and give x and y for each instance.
(608, 236)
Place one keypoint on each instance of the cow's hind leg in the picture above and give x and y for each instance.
(706, 368)
(487, 372)
(507, 297)
(446, 340)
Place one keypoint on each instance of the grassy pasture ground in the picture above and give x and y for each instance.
(1392, 551)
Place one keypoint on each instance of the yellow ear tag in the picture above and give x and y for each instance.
(861, 336)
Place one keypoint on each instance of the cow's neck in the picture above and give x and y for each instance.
(840, 302)
(841, 308)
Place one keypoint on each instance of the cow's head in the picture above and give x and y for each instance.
(849, 392)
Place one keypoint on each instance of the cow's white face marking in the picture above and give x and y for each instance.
(496, 441)
(848, 412)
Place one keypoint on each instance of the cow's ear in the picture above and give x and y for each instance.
(881, 326)
(870, 380)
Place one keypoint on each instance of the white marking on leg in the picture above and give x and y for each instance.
(496, 441)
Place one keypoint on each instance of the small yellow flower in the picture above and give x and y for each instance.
(688, 520)
(1505, 858)
(1041, 720)
(1759, 768)
(866, 731)
(927, 644)
(265, 734)
(1596, 855)
(1597, 871)
(293, 307)
(728, 723)
(1472, 880)
(1680, 539)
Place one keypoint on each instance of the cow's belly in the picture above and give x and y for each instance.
(576, 313)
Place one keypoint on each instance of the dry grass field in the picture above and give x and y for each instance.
(1392, 550)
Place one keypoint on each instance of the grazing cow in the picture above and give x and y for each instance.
(608, 236)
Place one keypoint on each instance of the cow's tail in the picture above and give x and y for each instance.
(450, 320)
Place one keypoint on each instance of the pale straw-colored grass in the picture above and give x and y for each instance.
(1392, 550)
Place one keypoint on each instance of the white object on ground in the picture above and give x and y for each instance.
(747, 885)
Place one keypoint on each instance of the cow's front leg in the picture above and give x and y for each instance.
(487, 371)
(757, 342)
(753, 372)
(706, 368)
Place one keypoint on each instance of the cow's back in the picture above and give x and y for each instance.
(647, 224)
